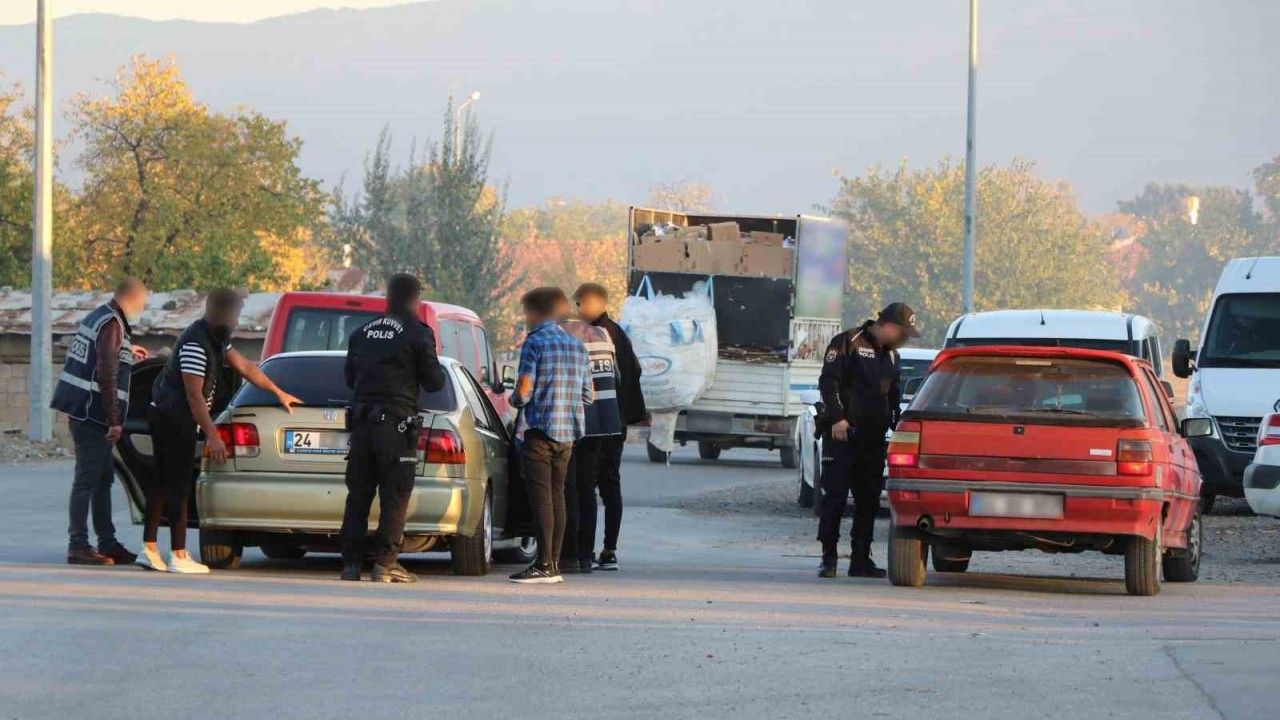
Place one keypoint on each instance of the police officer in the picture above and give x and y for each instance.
(388, 360)
(860, 396)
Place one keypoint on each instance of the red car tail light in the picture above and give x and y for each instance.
(1270, 432)
(1133, 457)
(904, 446)
(241, 439)
(442, 447)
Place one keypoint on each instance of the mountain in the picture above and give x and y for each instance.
(759, 98)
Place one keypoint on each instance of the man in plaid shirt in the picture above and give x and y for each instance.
(552, 390)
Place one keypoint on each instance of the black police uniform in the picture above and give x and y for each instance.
(859, 383)
(388, 360)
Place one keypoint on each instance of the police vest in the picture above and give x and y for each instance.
(602, 416)
(168, 394)
(77, 393)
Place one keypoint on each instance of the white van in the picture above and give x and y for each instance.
(1235, 373)
(1131, 334)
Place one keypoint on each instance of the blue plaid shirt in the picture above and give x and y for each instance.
(560, 368)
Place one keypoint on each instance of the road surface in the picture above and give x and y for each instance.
(716, 613)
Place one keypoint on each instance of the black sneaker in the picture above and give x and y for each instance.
(393, 574)
(827, 568)
(351, 570)
(865, 569)
(585, 566)
(536, 575)
(608, 560)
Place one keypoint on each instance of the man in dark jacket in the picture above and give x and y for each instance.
(860, 395)
(593, 301)
(93, 391)
(388, 360)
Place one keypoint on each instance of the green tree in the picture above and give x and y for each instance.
(1185, 245)
(16, 185)
(1035, 248)
(181, 196)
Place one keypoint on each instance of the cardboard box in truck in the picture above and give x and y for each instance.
(767, 261)
(660, 254)
(766, 238)
(724, 231)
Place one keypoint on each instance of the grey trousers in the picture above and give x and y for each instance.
(91, 487)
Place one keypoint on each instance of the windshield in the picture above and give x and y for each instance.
(1031, 390)
(1244, 332)
(1122, 346)
(318, 382)
(322, 329)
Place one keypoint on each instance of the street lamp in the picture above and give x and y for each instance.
(971, 161)
(457, 125)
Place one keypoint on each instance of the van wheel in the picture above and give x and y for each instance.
(471, 555)
(907, 553)
(1207, 500)
(950, 558)
(708, 450)
(790, 459)
(1183, 564)
(1142, 566)
(220, 550)
(656, 455)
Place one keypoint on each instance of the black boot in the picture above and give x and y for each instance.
(394, 573)
(351, 570)
(827, 568)
(860, 564)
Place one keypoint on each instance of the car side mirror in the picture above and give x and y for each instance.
(1168, 388)
(911, 388)
(1197, 427)
(508, 378)
(1183, 358)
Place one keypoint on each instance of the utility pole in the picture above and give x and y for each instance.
(457, 126)
(40, 385)
(971, 161)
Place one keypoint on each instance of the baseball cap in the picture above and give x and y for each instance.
(901, 314)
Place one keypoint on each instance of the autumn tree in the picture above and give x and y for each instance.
(1035, 248)
(182, 196)
(16, 184)
(684, 196)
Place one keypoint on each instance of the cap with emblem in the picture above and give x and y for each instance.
(900, 314)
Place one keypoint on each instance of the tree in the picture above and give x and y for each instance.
(1182, 259)
(181, 196)
(1267, 176)
(685, 196)
(16, 184)
(1035, 248)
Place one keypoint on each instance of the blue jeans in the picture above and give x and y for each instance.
(91, 487)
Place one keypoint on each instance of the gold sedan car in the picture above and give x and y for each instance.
(282, 488)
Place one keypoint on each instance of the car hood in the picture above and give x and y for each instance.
(1239, 392)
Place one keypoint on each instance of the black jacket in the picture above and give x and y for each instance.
(388, 360)
(168, 393)
(859, 383)
(630, 398)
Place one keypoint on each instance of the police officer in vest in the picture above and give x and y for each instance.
(93, 391)
(388, 360)
(860, 396)
(181, 397)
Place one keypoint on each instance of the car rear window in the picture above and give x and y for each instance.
(1031, 390)
(318, 381)
(322, 328)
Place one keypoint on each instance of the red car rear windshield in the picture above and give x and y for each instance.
(1031, 390)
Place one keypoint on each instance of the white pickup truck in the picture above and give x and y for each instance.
(777, 306)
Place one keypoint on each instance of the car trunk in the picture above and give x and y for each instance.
(1087, 454)
(308, 440)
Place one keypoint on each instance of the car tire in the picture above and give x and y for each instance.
(708, 450)
(472, 555)
(220, 550)
(950, 558)
(789, 457)
(1183, 564)
(283, 552)
(1142, 566)
(1207, 501)
(656, 455)
(523, 552)
(907, 554)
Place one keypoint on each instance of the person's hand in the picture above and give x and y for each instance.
(287, 401)
(113, 434)
(139, 353)
(840, 431)
(215, 449)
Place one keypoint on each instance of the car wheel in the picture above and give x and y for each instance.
(790, 458)
(471, 555)
(1183, 564)
(950, 558)
(523, 552)
(1207, 500)
(1142, 566)
(277, 551)
(708, 450)
(656, 455)
(907, 553)
(220, 550)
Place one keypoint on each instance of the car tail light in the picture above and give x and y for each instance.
(241, 439)
(1269, 433)
(1133, 457)
(904, 446)
(442, 447)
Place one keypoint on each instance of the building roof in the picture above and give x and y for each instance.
(167, 313)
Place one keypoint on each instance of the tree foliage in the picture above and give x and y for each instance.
(685, 196)
(181, 196)
(16, 185)
(1034, 249)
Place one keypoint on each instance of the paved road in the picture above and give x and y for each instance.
(712, 616)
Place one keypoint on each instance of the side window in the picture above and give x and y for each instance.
(458, 343)
(486, 355)
(474, 402)
(1157, 356)
(1161, 415)
(483, 406)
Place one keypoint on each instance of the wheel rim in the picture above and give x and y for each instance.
(1194, 542)
(488, 528)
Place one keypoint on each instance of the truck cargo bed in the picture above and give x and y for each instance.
(748, 388)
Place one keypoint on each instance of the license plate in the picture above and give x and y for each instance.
(316, 442)
(1019, 505)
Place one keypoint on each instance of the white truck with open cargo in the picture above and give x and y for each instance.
(777, 284)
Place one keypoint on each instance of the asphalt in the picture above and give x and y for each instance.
(711, 616)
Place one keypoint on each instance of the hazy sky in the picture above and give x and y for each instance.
(14, 12)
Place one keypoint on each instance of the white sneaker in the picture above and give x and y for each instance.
(150, 560)
(186, 566)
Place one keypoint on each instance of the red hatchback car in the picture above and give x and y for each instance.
(1056, 449)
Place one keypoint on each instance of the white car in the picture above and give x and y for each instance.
(913, 364)
(1262, 476)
